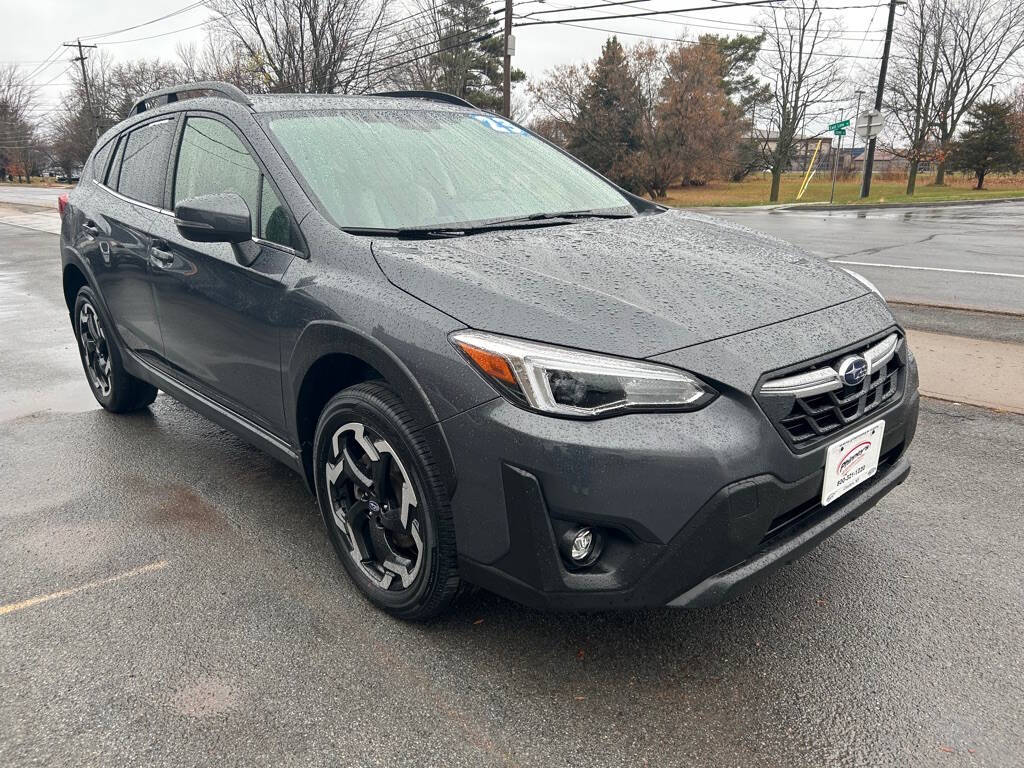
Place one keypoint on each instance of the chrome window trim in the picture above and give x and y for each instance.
(165, 212)
(827, 379)
(272, 244)
(132, 200)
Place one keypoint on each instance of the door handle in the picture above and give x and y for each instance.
(90, 228)
(161, 255)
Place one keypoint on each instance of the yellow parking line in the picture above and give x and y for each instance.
(12, 607)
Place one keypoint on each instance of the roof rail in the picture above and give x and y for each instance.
(447, 98)
(226, 90)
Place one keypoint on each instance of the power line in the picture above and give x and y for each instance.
(686, 40)
(686, 23)
(185, 9)
(642, 14)
(717, 24)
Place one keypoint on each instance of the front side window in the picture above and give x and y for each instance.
(144, 162)
(395, 169)
(213, 161)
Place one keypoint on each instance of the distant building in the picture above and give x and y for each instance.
(884, 162)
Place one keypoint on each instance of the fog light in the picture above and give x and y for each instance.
(582, 545)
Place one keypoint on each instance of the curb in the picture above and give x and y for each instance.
(955, 308)
(883, 206)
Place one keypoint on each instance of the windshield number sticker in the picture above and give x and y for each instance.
(499, 125)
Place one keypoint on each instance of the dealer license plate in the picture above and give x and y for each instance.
(851, 461)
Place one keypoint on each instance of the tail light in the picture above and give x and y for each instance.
(62, 203)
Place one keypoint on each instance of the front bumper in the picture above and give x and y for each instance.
(693, 506)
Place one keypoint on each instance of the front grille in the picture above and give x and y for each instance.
(806, 420)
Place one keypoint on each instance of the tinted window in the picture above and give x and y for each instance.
(145, 162)
(394, 169)
(99, 161)
(212, 160)
(275, 224)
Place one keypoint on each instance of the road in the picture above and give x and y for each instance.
(169, 598)
(962, 256)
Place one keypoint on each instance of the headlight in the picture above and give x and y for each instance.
(567, 382)
(865, 282)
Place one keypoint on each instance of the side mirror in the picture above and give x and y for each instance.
(222, 218)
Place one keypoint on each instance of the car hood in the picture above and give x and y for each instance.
(633, 287)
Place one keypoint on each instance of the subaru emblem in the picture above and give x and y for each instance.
(852, 370)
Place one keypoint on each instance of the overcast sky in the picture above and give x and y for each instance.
(32, 30)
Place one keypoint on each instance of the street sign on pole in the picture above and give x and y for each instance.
(869, 124)
(839, 125)
(839, 131)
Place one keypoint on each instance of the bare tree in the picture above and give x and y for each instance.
(796, 60)
(913, 92)
(222, 57)
(557, 100)
(984, 37)
(309, 46)
(19, 142)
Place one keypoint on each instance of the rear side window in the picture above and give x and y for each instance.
(144, 162)
(99, 161)
(212, 161)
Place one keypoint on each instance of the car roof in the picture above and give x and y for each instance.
(224, 98)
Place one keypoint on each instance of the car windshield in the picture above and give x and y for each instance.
(400, 169)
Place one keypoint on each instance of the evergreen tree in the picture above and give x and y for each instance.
(607, 133)
(470, 53)
(990, 143)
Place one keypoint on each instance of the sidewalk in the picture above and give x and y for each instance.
(972, 371)
(25, 216)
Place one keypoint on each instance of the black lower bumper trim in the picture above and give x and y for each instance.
(724, 585)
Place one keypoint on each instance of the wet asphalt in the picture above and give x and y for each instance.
(966, 256)
(167, 597)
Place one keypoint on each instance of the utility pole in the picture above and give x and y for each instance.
(869, 159)
(85, 81)
(506, 90)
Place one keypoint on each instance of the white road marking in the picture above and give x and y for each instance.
(12, 607)
(926, 269)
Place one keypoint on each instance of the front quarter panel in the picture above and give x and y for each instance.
(339, 302)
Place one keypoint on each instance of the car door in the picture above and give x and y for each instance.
(115, 231)
(219, 304)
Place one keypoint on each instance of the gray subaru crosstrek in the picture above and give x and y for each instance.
(491, 365)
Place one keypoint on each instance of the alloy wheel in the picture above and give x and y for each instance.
(374, 507)
(95, 349)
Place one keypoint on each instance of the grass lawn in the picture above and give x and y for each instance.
(754, 191)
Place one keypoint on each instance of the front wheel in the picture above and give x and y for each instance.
(384, 504)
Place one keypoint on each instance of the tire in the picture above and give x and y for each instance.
(383, 502)
(112, 386)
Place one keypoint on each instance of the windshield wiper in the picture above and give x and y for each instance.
(534, 219)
